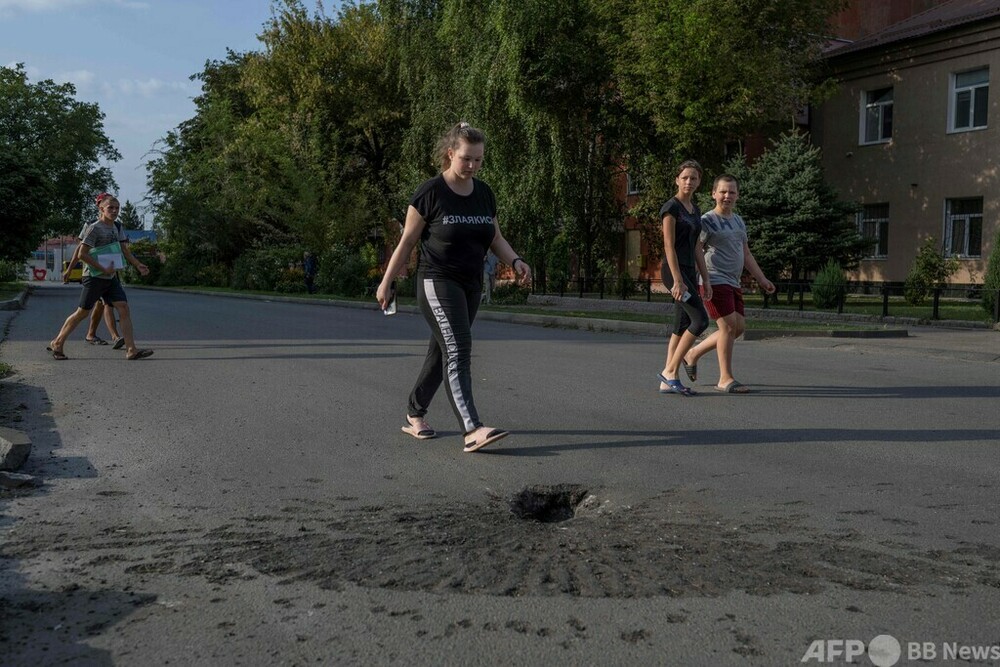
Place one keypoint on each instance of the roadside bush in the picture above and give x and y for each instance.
(147, 253)
(829, 284)
(10, 271)
(929, 270)
(557, 267)
(177, 271)
(263, 269)
(991, 281)
(292, 281)
(510, 294)
(346, 271)
(214, 275)
(155, 266)
(406, 286)
(615, 282)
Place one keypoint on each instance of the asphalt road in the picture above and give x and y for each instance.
(245, 496)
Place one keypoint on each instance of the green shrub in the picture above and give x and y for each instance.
(829, 285)
(11, 271)
(292, 281)
(991, 282)
(406, 286)
(346, 271)
(510, 294)
(177, 271)
(147, 253)
(626, 286)
(929, 270)
(214, 275)
(262, 269)
(155, 266)
(557, 266)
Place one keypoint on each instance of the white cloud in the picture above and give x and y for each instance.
(83, 79)
(33, 73)
(88, 83)
(11, 6)
(151, 87)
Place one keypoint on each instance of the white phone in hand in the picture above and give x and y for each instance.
(390, 308)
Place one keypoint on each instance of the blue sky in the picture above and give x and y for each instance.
(132, 57)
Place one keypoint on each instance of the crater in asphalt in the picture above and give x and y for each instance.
(548, 504)
(668, 546)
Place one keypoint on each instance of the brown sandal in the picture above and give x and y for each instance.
(139, 354)
(57, 353)
(491, 436)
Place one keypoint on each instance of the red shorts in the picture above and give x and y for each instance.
(726, 300)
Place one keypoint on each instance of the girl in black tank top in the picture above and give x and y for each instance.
(682, 262)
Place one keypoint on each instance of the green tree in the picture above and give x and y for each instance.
(25, 202)
(204, 192)
(795, 220)
(293, 145)
(62, 139)
(704, 71)
(129, 216)
(539, 84)
(929, 271)
(320, 138)
(991, 282)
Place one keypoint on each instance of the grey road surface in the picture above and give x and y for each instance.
(245, 496)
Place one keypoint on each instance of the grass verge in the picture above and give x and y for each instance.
(10, 291)
(752, 323)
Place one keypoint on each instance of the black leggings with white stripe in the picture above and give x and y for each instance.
(449, 308)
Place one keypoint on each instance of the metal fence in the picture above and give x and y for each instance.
(787, 294)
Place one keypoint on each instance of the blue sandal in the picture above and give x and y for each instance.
(675, 387)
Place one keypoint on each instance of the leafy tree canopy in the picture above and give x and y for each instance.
(129, 216)
(25, 203)
(63, 141)
(795, 220)
(321, 136)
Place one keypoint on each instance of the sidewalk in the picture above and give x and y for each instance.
(956, 342)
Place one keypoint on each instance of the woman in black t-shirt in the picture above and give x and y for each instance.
(454, 217)
(682, 261)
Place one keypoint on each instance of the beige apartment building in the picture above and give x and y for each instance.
(913, 136)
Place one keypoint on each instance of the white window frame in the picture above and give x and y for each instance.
(966, 218)
(866, 105)
(631, 184)
(974, 91)
(878, 223)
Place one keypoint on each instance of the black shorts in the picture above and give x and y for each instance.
(94, 289)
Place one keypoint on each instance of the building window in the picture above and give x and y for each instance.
(963, 227)
(632, 184)
(876, 116)
(970, 99)
(873, 225)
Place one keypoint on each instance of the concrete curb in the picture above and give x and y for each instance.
(637, 306)
(17, 303)
(558, 321)
(15, 447)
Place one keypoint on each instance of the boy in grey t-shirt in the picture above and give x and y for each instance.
(727, 252)
(101, 280)
(100, 312)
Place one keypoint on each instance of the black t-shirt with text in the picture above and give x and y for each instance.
(459, 229)
(686, 229)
